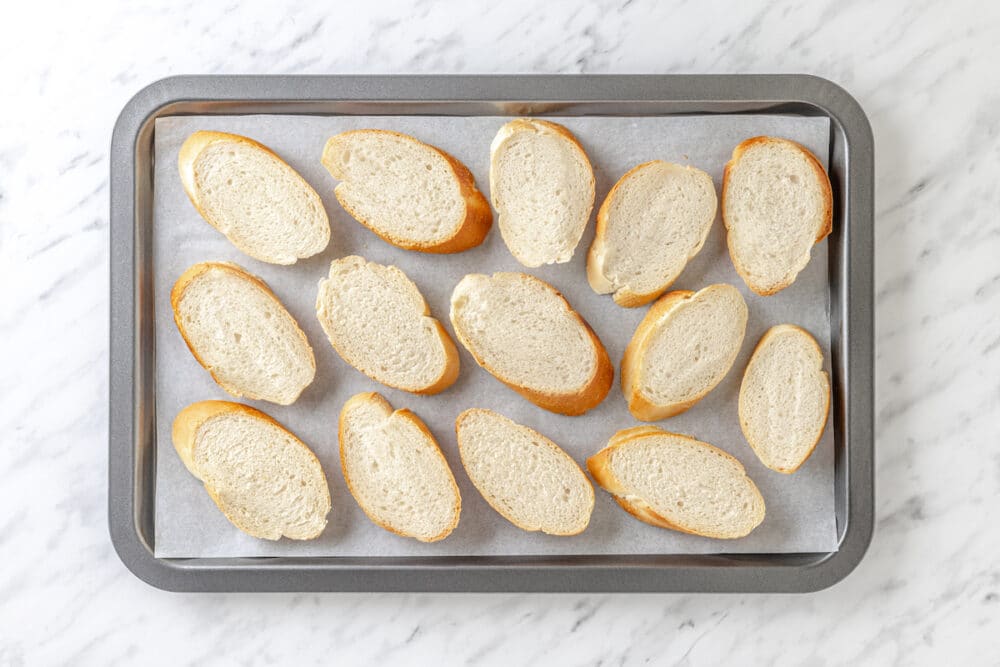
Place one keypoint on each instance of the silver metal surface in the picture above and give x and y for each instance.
(132, 436)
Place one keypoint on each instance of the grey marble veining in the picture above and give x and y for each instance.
(925, 72)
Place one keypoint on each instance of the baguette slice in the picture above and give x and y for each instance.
(378, 322)
(263, 206)
(396, 471)
(655, 219)
(777, 204)
(237, 329)
(413, 195)
(266, 481)
(785, 398)
(523, 475)
(526, 335)
(542, 186)
(682, 349)
(674, 481)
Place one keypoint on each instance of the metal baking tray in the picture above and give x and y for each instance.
(132, 439)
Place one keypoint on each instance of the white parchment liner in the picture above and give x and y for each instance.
(800, 507)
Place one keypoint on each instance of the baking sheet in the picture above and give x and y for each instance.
(800, 507)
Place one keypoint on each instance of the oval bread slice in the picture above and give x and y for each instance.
(244, 190)
(523, 475)
(266, 481)
(674, 481)
(378, 322)
(655, 219)
(237, 329)
(542, 186)
(411, 194)
(396, 471)
(777, 204)
(784, 398)
(526, 335)
(682, 349)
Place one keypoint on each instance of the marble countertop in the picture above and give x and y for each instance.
(926, 73)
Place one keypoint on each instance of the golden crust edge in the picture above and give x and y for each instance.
(642, 408)
(530, 124)
(452, 362)
(824, 231)
(549, 443)
(191, 274)
(470, 233)
(403, 413)
(623, 296)
(184, 430)
(201, 139)
(599, 466)
(778, 328)
(571, 404)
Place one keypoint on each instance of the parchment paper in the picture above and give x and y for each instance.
(800, 507)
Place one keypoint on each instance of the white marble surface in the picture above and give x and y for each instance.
(926, 73)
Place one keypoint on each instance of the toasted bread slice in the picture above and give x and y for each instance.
(674, 481)
(266, 481)
(263, 206)
(528, 479)
(396, 471)
(378, 322)
(777, 204)
(784, 398)
(682, 349)
(237, 329)
(411, 194)
(526, 335)
(542, 186)
(655, 219)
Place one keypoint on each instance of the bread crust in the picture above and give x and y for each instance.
(478, 214)
(184, 433)
(452, 365)
(570, 404)
(202, 139)
(599, 466)
(403, 413)
(548, 443)
(177, 293)
(510, 129)
(625, 298)
(641, 407)
(824, 231)
(598, 248)
(758, 447)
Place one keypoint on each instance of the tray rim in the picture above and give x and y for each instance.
(675, 573)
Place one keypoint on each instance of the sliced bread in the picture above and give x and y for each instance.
(655, 219)
(777, 204)
(411, 194)
(266, 481)
(237, 329)
(674, 481)
(542, 186)
(263, 206)
(523, 475)
(526, 335)
(378, 322)
(784, 398)
(396, 471)
(682, 349)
